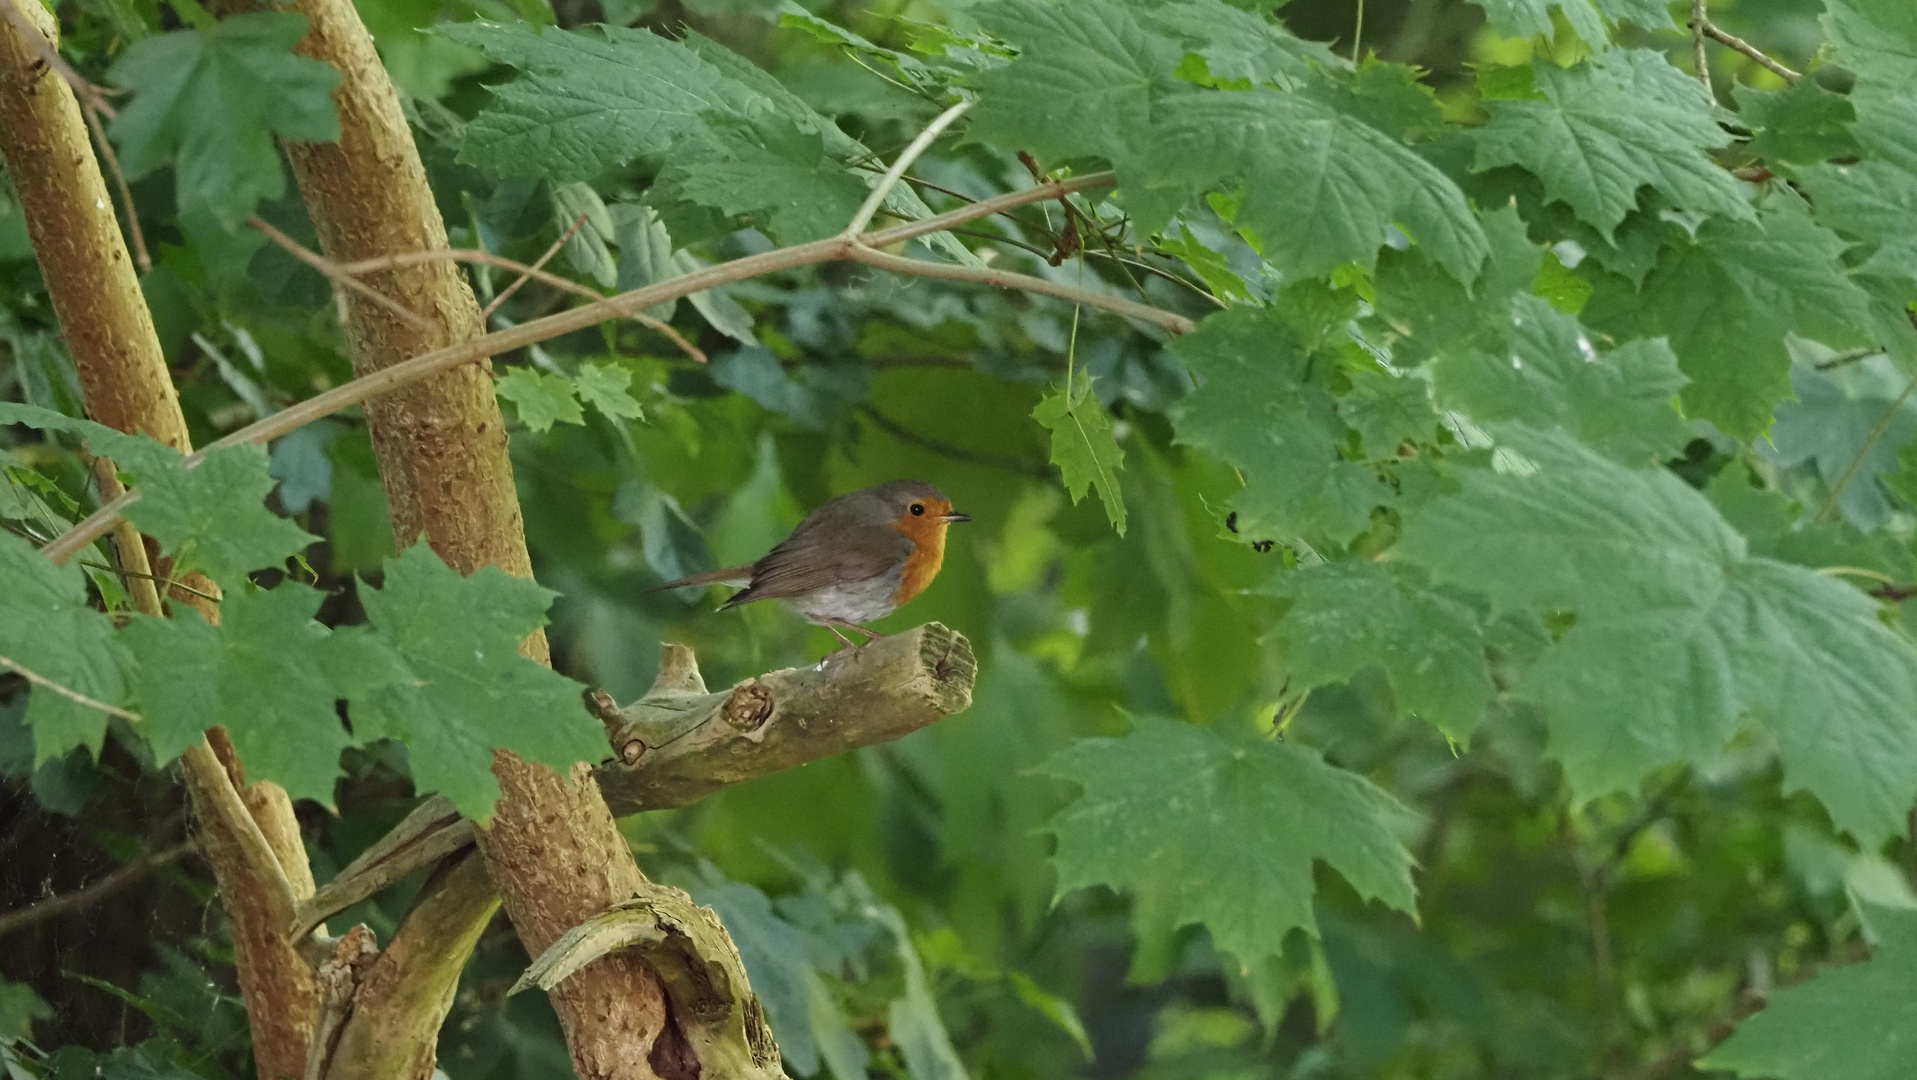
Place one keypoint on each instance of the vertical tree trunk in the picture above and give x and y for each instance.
(250, 837)
(553, 850)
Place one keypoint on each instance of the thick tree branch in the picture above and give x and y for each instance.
(680, 743)
(126, 385)
(409, 989)
(438, 361)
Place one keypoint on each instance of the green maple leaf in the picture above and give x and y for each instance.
(1256, 409)
(1203, 830)
(267, 673)
(589, 102)
(468, 691)
(1320, 188)
(134, 454)
(1868, 201)
(214, 518)
(604, 387)
(1434, 313)
(213, 100)
(1083, 82)
(1875, 38)
(1801, 124)
(1726, 299)
(1346, 617)
(1083, 444)
(767, 169)
(1849, 425)
(1239, 44)
(1550, 373)
(1851, 1021)
(1524, 18)
(1388, 410)
(1679, 632)
(1609, 126)
(541, 399)
(49, 627)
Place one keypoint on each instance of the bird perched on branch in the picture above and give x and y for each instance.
(852, 561)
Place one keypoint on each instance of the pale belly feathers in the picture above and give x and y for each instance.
(857, 602)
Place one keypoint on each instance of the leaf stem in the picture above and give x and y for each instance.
(1870, 443)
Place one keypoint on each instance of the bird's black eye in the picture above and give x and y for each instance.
(918, 509)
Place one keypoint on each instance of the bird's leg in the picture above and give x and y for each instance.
(834, 625)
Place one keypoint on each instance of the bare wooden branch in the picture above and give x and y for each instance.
(331, 271)
(1715, 33)
(444, 359)
(891, 178)
(680, 743)
(339, 980)
(1698, 56)
(409, 989)
(505, 294)
(487, 258)
(695, 744)
(431, 832)
(721, 1021)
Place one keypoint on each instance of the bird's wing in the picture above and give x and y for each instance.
(808, 561)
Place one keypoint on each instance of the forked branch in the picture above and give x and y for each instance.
(835, 249)
(680, 743)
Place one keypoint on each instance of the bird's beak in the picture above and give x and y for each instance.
(952, 517)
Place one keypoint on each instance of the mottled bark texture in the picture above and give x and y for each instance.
(552, 848)
(250, 836)
(680, 743)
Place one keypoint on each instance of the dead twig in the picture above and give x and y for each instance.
(1712, 31)
(482, 257)
(831, 249)
(1703, 60)
(332, 272)
(506, 293)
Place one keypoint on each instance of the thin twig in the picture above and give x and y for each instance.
(170, 583)
(544, 277)
(833, 249)
(1698, 21)
(330, 270)
(956, 453)
(70, 694)
(891, 178)
(1870, 443)
(96, 892)
(540, 264)
(129, 550)
(1712, 31)
(1006, 279)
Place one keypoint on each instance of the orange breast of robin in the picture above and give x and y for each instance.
(927, 534)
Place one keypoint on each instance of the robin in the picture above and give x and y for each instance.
(852, 561)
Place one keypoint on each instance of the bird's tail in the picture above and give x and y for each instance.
(731, 575)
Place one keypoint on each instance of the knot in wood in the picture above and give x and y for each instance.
(633, 752)
(749, 706)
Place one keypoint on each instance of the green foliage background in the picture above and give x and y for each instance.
(1480, 649)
